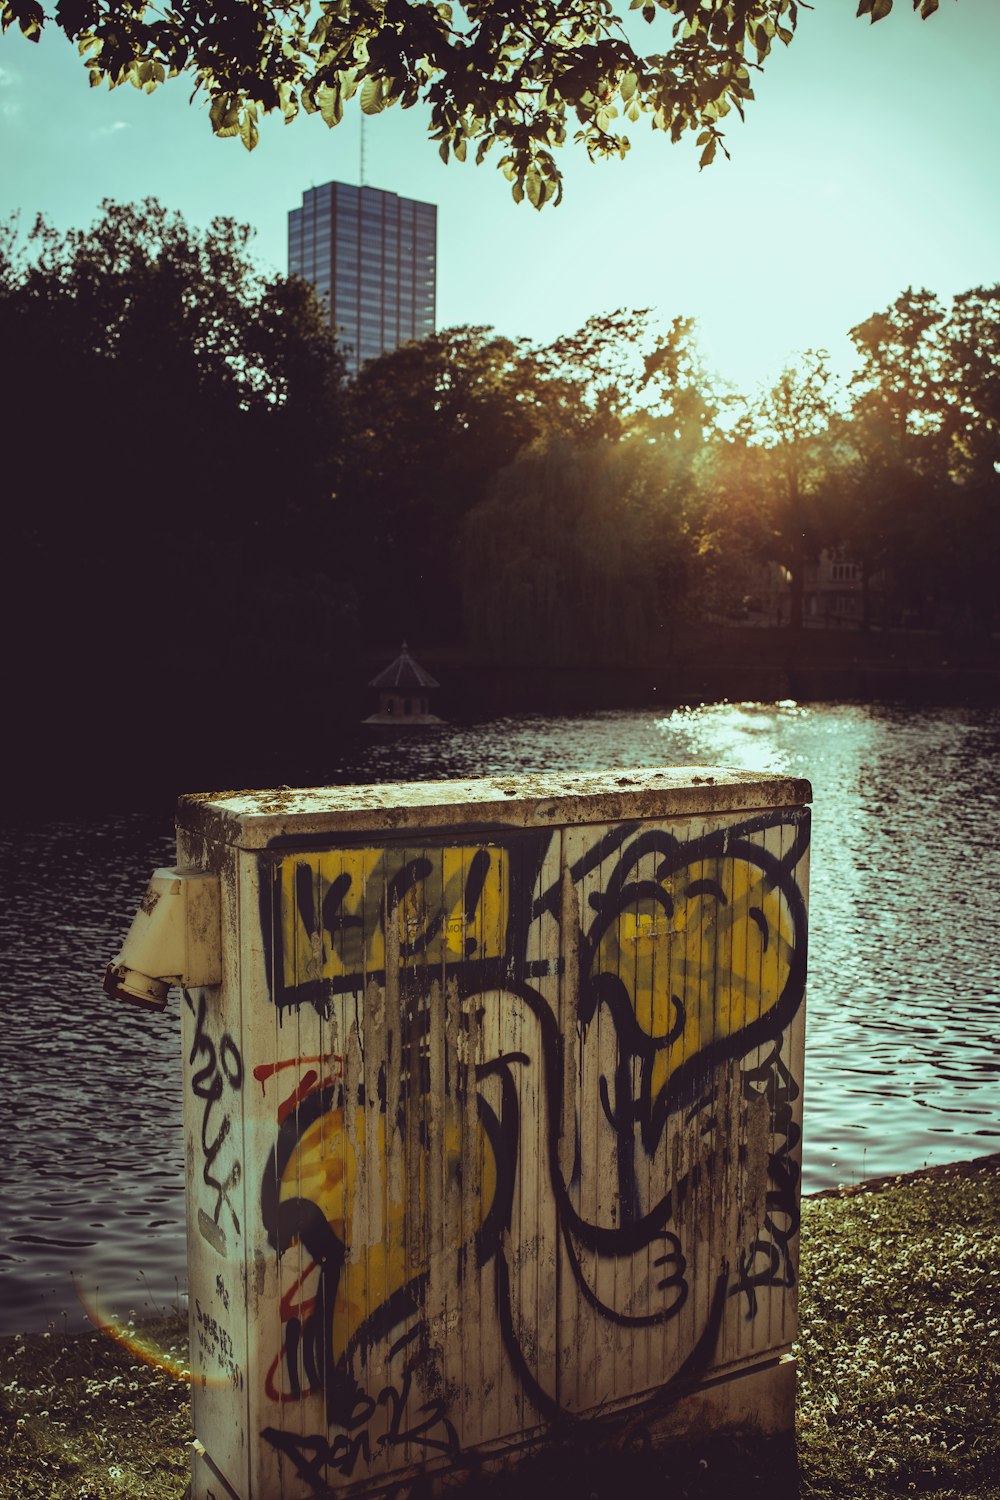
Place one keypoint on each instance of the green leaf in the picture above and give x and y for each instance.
(331, 105)
(248, 127)
(29, 17)
(224, 115)
(443, 152)
(372, 96)
(287, 102)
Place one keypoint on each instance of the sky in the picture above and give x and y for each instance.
(868, 163)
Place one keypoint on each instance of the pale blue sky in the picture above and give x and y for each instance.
(868, 162)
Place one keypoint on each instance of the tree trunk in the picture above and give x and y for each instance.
(798, 561)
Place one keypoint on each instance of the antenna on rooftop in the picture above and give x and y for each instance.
(362, 167)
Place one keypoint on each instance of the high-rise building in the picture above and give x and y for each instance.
(372, 257)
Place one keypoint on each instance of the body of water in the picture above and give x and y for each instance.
(902, 1050)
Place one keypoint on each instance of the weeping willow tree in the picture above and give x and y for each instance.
(580, 553)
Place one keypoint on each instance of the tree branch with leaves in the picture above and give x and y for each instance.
(511, 76)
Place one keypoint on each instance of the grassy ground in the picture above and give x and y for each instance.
(899, 1350)
(899, 1378)
(82, 1417)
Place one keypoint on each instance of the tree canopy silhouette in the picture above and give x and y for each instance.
(172, 417)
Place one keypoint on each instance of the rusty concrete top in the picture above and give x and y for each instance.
(256, 819)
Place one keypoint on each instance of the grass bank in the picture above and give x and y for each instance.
(899, 1346)
(899, 1377)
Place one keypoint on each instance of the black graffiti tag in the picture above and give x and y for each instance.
(314, 1455)
(221, 1066)
(769, 1261)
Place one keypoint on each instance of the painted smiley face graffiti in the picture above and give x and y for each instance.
(698, 952)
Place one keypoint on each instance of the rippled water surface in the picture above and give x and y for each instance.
(902, 1057)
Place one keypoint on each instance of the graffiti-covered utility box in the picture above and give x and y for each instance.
(492, 1125)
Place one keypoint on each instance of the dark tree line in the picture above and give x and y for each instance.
(580, 501)
(898, 472)
(201, 510)
(172, 441)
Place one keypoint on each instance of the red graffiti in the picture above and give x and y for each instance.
(306, 1085)
(290, 1308)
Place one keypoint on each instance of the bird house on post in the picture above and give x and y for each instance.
(404, 689)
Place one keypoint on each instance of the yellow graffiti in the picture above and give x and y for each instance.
(705, 962)
(332, 909)
(383, 1223)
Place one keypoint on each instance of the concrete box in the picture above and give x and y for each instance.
(492, 1126)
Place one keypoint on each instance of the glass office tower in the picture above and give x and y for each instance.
(372, 257)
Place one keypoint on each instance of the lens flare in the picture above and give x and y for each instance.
(139, 1344)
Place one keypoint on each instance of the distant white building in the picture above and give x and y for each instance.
(832, 594)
